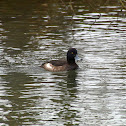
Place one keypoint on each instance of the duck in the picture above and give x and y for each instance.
(63, 65)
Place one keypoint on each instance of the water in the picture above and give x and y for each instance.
(32, 32)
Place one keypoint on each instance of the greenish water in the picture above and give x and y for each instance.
(32, 32)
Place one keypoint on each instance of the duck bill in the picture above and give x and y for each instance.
(77, 58)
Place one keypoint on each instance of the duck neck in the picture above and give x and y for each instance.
(70, 60)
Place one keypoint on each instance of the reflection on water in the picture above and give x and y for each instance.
(36, 31)
(68, 94)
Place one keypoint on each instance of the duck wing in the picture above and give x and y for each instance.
(58, 62)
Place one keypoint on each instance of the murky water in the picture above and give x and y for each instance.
(32, 32)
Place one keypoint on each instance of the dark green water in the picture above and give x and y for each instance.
(34, 31)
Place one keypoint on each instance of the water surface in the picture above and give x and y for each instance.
(32, 32)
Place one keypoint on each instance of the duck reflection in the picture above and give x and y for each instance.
(71, 79)
(67, 113)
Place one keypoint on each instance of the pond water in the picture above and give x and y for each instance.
(32, 32)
